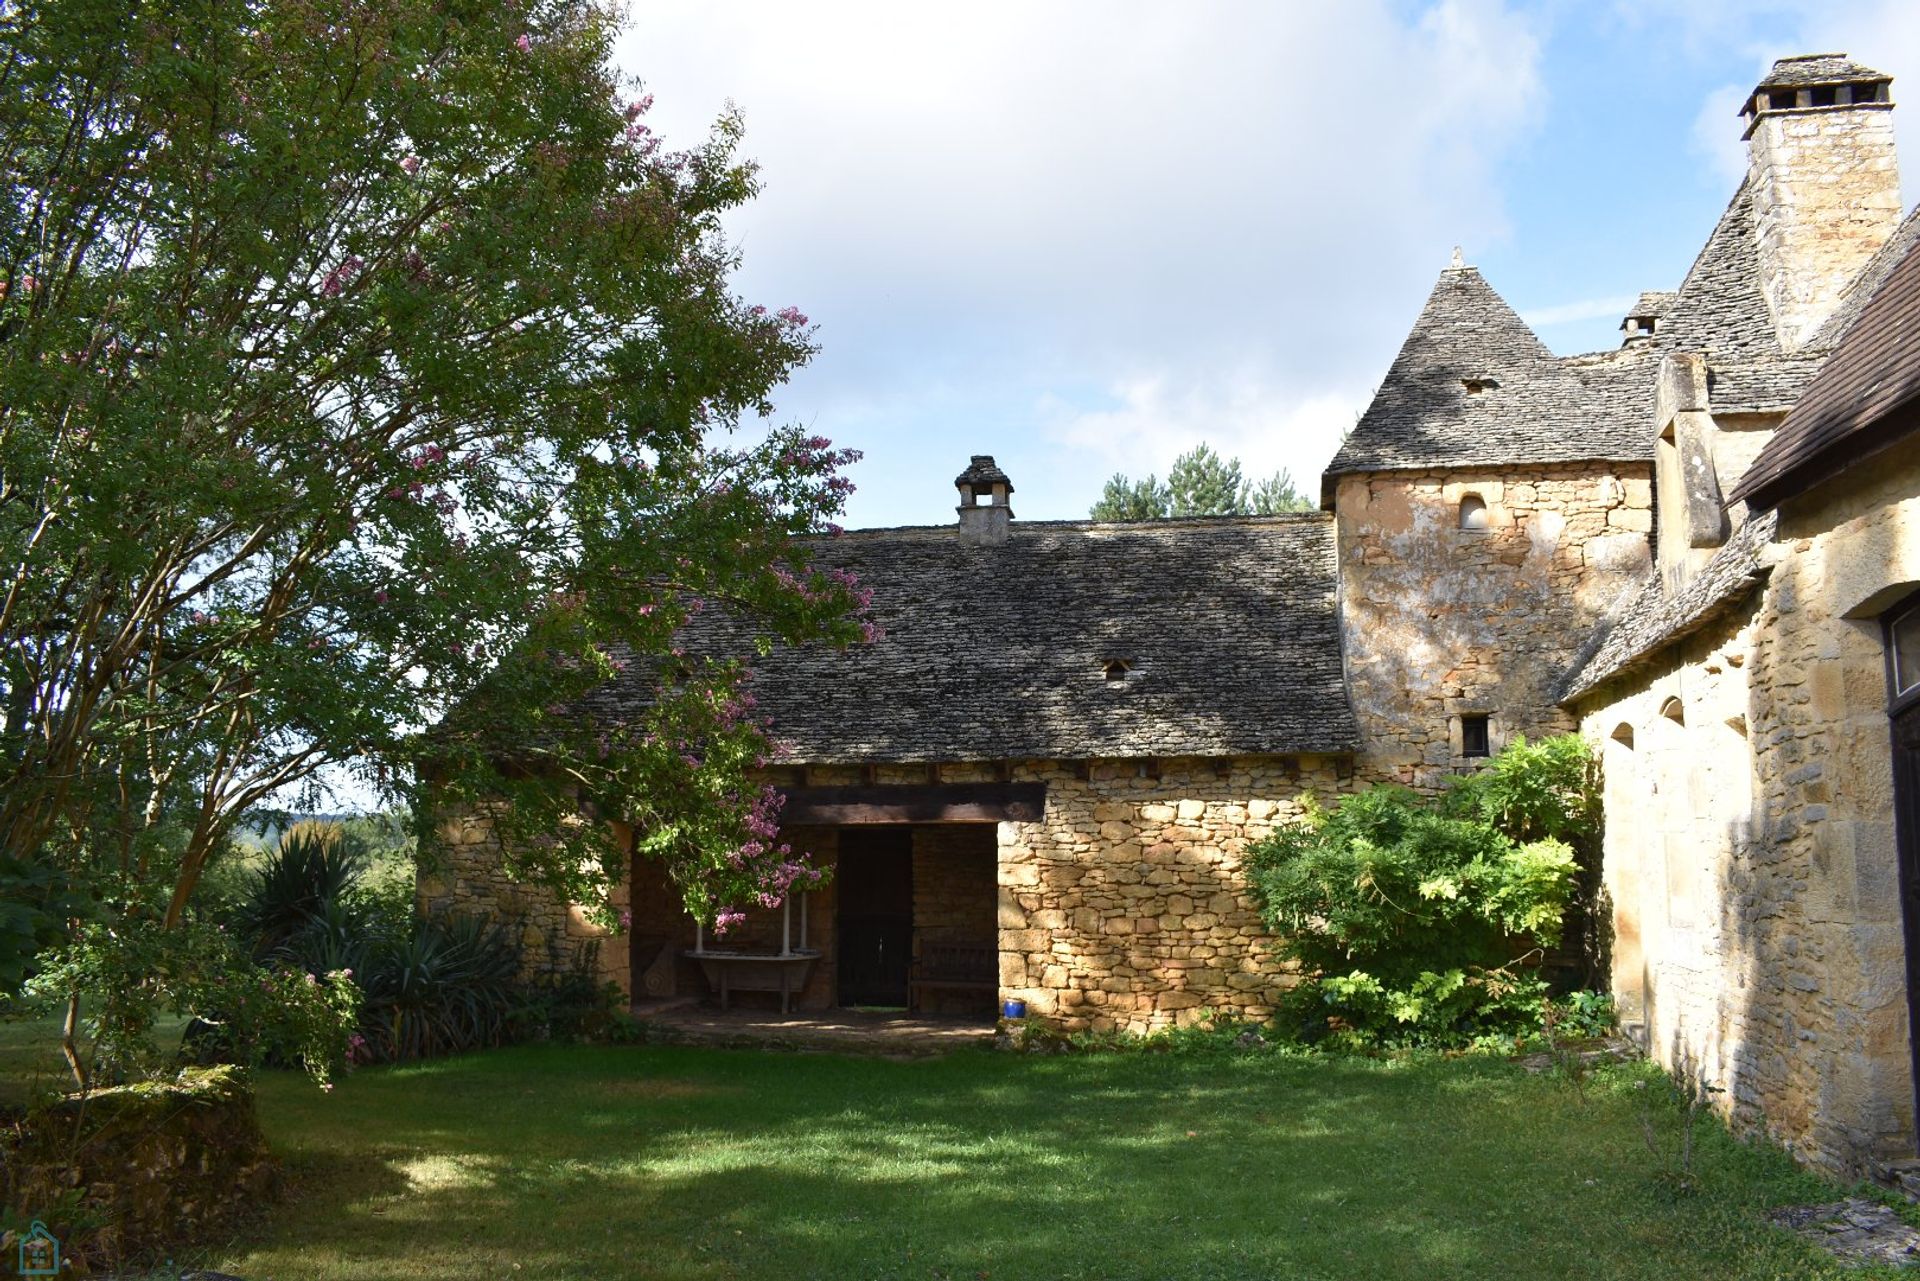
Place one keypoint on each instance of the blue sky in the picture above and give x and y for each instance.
(1083, 235)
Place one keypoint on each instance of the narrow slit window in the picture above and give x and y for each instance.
(1473, 513)
(1474, 738)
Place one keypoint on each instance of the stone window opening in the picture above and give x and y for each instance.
(1475, 386)
(1473, 514)
(1825, 95)
(1116, 669)
(1674, 710)
(1475, 736)
(1623, 735)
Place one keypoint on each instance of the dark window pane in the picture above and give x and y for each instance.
(1906, 652)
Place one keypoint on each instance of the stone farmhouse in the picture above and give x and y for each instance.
(1701, 550)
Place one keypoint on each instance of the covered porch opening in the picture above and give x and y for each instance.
(907, 924)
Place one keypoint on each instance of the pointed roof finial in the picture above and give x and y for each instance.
(1459, 259)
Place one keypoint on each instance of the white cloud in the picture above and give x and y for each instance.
(1151, 421)
(1883, 34)
(1567, 313)
(1004, 204)
(1715, 137)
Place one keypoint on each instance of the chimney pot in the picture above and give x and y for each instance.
(985, 515)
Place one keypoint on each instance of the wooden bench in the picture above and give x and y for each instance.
(953, 967)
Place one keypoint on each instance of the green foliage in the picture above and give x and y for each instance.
(1416, 920)
(310, 869)
(1275, 496)
(428, 985)
(356, 367)
(1531, 791)
(451, 985)
(1204, 484)
(1201, 483)
(1123, 499)
(37, 901)
(128, 977)
(1585, 1014)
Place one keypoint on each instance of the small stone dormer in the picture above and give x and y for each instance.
(985, 515)
(1642, 320)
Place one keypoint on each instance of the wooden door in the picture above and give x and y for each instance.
(873, 882)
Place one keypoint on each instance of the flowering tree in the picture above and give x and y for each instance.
(361, 360)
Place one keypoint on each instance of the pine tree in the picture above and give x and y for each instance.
(1128, 500)
(1204, 484)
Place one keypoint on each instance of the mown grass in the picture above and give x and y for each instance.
(573, 1162)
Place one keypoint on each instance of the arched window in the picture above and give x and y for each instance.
(1674, 711)
(1473, 513)
(1623, 735)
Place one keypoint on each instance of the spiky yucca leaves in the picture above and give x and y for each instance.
(308, 873)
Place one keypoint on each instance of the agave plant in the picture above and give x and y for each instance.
(306, 876)
(449, 986)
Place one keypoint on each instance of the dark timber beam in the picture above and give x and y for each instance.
(916, 803)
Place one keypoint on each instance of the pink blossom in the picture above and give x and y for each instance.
(411, 165)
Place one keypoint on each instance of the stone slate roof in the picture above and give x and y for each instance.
(1652, 303)
(1648, 620)
(1807, 69)
(999, 651)
(1719, 308)
(1532, 408)
(1591, 407)
(1772, 385)
(1852, 410)
(983, 474)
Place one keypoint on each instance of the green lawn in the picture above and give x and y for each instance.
(567, 1162)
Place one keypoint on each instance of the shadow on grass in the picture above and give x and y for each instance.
(702, 1163)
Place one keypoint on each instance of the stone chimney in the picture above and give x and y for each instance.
(984, 513)
(1825, 182)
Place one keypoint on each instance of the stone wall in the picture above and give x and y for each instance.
(139, 1171)
(1826, 195)
(469, 874)
(1123, 907)
(1440, 621)
(1750, 847)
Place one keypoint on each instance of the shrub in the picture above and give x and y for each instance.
(310, 869)
(1421, 920)
(450, 985)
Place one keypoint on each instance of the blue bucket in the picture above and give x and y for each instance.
(1013, 1009)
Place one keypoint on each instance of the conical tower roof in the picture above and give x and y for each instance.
(1473, 386)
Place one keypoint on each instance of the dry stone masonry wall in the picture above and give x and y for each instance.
(1750, 844)
(1440, 621)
